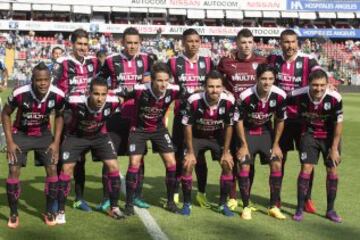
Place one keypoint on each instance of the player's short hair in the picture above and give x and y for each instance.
(41, 66)
(214, 74)
(318, 73)
(245, 32)
(98, 81)
(159, 67)
(188, 32)
(57, 48)
(287, 32)
(130, 31)
(264, 68)
(79, 33)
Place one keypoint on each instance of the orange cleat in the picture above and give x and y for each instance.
(309, 206)
(13, 221)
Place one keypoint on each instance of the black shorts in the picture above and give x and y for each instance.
(201, 145)
(38, 144)
(178, 136)
(259, 144)
(101, 147)
(290, 136)
(159, 139)
(118, 129)
(310, 149)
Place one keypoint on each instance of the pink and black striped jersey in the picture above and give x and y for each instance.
(32, 117)
(150, 109)
(209, 121)
(240, 74)
(292, 75)
(86, 122)
(189, 76)
(256, 113)
(74, 77)
(318, 118)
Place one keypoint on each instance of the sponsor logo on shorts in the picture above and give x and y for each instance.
(303, 156)
(66, 155)
(132, 147)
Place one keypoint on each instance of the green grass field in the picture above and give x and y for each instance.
(203, 223)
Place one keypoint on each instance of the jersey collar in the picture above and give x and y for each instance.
(322, 98)
(148, 86)
(257, 95)
(34, 95)
(86, 100)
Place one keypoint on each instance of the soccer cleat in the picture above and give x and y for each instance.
(82, 205)
(332, 216)
(309, 206)
(13, 221)
(116, 213)
(276, 213)
(298, 216)
(176, 198)
(60, 218)
(246, 213)
(202, 200)
(50, 219)
(171, 206)
(226, 211)
(186, 209)
(129, 210)
(140, 203)
(103, 206)
(232, 203)
(252, 206)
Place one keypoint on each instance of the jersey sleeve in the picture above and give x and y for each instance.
(281, 109)
(338, 115)
(60, 79)
(239, 110)
(229, 119)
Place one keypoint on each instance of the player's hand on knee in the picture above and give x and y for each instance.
(189, 160)
(12, 148)
(242, 153)
(276, 152)
(227, 159)
(334, 156)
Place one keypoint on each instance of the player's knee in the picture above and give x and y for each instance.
(112, 165)
(331, 171)
(14, 172)
(275, 166)
(307, 168)
(68, 169)
(51, 170)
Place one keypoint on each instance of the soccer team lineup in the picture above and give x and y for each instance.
(243, 109)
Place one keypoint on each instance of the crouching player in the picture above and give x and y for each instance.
(87, 131)
(208, 126)
(151, 103)
(31, 131)
(256, 106)
(321, 112)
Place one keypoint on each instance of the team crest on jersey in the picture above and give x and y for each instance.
(167, 99)
(139, 63)
(51, 103)
(327, 106)
(221, 110)
(90, 68)
(106, 112)
(272, 103)
(299, 65)
(66, 155)
(255, 65)
(25, 104)
(201, 64)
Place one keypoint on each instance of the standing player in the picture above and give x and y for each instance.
(87, 131)
(293, 68)
(320, 110)
(189, 70)
(256, 106)
(240, 74)
(125, 69)
(151, 103)
(208, 126)
(31, 131)
(73, 74)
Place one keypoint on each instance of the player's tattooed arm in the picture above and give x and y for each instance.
(12, 147)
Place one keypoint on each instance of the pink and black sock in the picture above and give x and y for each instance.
(138, 191)
(201, 171)
(275, 181)
(51, 192)
(303, 186)
(170, 182)
(113, 186)
(131, 184)
(331, 190)
(244, 185)
(186, 182)
(308, 196)
(226, 184)
(64, 186)
(13, 191)
(232, 193)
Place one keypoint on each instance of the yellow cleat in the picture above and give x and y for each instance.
(246, 213)
(276, 213)
(232, 203)
(176, 198)
(202, 200)
(252, 206)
